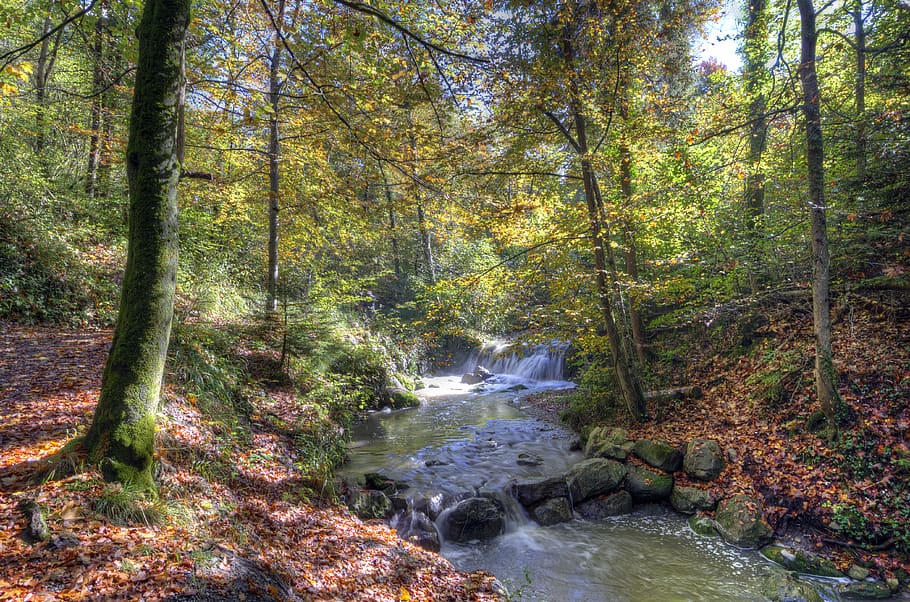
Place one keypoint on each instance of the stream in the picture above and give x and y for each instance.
(475, 438)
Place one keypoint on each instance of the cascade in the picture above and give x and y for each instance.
(532, 362)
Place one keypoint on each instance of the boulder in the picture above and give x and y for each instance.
(474, 518)
(690, 500)
(370, 504)
(596, 476)
(606, 506)
(525, 459)
(800, 562)
(607, 442)
(740, 522)
(702, 525)
(647, 485)
(479, 375)
(659, 454)
(532, 493)
(402, 398)
(440, 501)
(865, 590)
(380, 482)
(786, 587)
(704, 459)
(552, 511)
(417, 528)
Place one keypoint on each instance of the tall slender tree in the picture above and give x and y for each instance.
(122, 434)
(825, 374)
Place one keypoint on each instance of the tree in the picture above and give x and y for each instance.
(755, 59)
(825, 374)
(122, 434)
(274, 151)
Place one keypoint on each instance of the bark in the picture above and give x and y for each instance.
(47, 55)
(859, 34)
(393, 226)
(825, 376)
(274, 181)
(122, 434)
(754, 67)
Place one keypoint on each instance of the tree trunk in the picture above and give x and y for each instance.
(639, 337)
(271, 304)
(122, 435)
(47, 55)
(754, 68)
(393, 227)
(426, 239)
(859, 34)
(825, 376)
(94, 150)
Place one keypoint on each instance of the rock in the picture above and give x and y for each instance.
(865, 590)
(702, 525)
(440, 501)
(36, 527)
(740, 522)
(469, 378)
(474, 518)
(417, 528)
(532, 493)
(518, 387)
(596, 476)
(607, 442)
(857, 572)
(552, 511)
(402, 398)
(689, 500)
(659, 454)
(529, 460)
(606, 506)
(370, 504)
(785, 587)
(704, 459)
(647, 485)
(379, 482)
(800, 562)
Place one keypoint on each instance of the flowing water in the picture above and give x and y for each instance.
(474, 439)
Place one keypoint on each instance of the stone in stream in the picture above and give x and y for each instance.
(786, 587)
(525, 459)
(647, 485)
(606, 506)
(689, 500)
(532, 493)
(595, 476)
(370, 504)
(739, 521)
(865, 590)
(417, 528)
(380, 482)
(702, 525)
(800, 562)
(659, 454)
(474, 518)
(552, 511)
(704, 459)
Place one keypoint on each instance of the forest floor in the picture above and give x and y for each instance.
(847, 499)
(256, 533)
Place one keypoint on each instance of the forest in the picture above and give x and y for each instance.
(237, 235)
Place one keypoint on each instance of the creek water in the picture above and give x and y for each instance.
(477, 439)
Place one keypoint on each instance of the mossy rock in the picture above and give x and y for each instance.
(606, 506)
(552, 511)
(740, 522)
(608, 442)
(689, 500)
(647, 485)
(865, 590)
(659, 454)
(702, 525)
(787, 587)
(402, 398)
(593, 477)
(800, 562)
(370, 504)
(704, 459)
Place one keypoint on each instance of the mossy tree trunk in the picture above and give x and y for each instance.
(825, 375)
(122, 435)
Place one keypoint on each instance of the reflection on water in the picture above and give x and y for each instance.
(475, 438)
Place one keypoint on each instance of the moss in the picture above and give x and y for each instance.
(801, 562)
(401, 398)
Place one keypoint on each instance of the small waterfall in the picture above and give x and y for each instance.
(537, 362)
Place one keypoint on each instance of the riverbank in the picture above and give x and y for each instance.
(237, 517)
(846, 499)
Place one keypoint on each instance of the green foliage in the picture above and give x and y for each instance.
(597, 400)
(127, 505)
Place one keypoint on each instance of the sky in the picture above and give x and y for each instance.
(720, 40)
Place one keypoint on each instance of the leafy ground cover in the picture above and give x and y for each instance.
(847, 498)
(238, 511)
